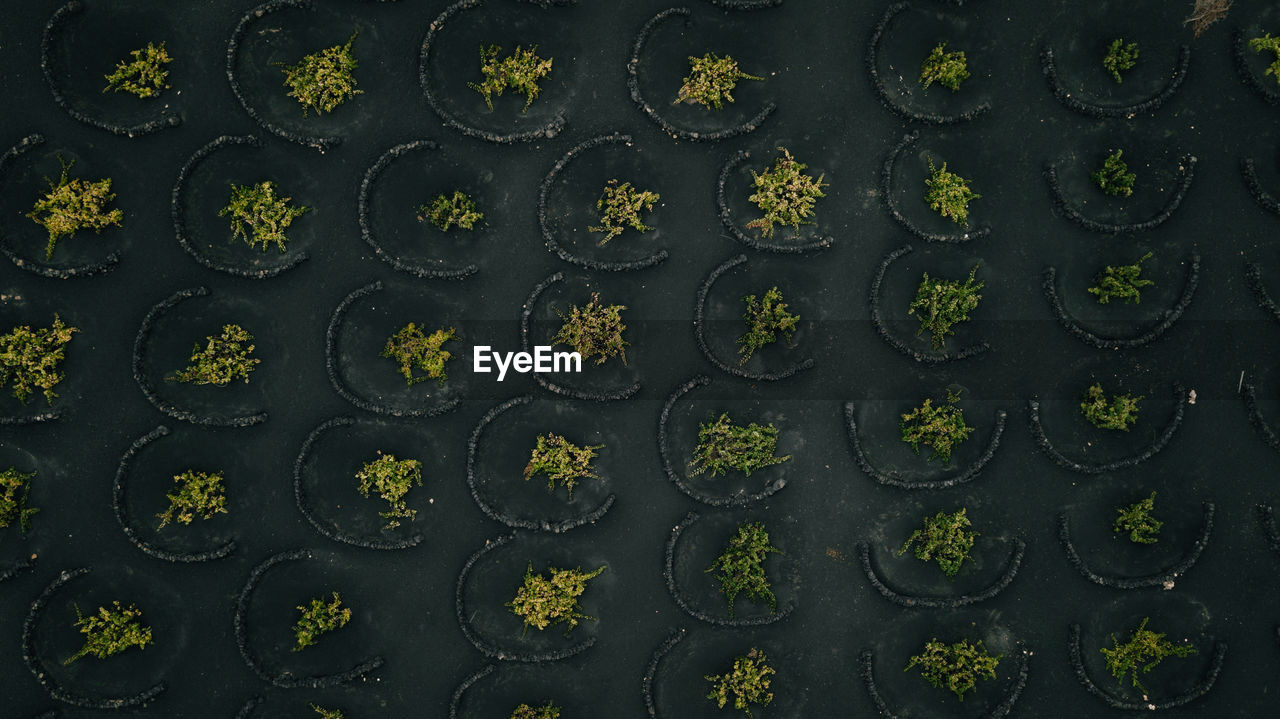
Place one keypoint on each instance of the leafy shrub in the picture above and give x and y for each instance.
(519, 71)
(110, 632)
(949, 194)
(766, 318)
(15, 486)
(1144, 651)
(29, 358)
(1118, 413)
(144, 76)
(1268, 44)
(73, 205)
(201, 494)
(319, 618)
(940, 428)
(562, 461)
(942, 304)
(223, 359)
(546, 711)
(323, 80)
(327, 713)
(956, 667)
(711, 81)
(593, 330)
(785, 194)
(945, 538)
(449, 210)
(391, 479)
(1137, 520)
(1123, 282)
(948, 69)
(259, 215)
(543, 602)
(413, 349)
(740, 567)
(1114, 178)
(1120, 57)
(723, 446)
(746, 684)
(620, 207)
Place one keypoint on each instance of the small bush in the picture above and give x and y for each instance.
(945, 538)
(546, 711)
(956, 667)
(323, 80)
(740, 567)
(1144, 651)
(259, 215)
(327, 713)
(110, 632)
(73, 205)
(543, 602)
(29, 359)
(15, 486)
(1118, 413)
(942, 304)
(746, 684)
(449, 210)
(940, 428)
(1266, 43)
(949, 194)
(948, 69)
(785, 194)
(412, 349)
(200, 494)
(144, 76)
(1205, 13)
(766, 318)
(391, 479)
(1120, 57)
(562, 461)
(1137, 520)
(711, 81)
(223, 359)
(723, 446)
(620, 207)
(1122, 282)
(519, 71)
(593, 330)
(1114, 178)
(319, 618)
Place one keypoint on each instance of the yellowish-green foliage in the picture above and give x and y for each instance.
(1139, 521)
(29, 358)
(543, 602)
(145, 75)
(223, 358)
(110, 631)
(746, 684)
(546, 711)
(562, 461)
(785, 194)
(723, 445)
(942, 304)
(1267, 43)
(327, 713)
(766, 318)
(594, 330)
(15, 486)
(948, 69)
(949, 194)
(411, 348)
(319, 617)
(72, 205)
(449, 210)
(740, 567)
(520, 71)
(1123, 281)
(1117, 413)
(945, 538)
(391, 479)
(259, 215)
(1144, 651)
(199, 494)
(620, 207)
(711, 81)
(323, 80)
(956, 667)
(940, 428)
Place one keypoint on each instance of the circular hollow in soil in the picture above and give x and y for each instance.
(1157, 445)
(1002, 708)
(905, 480)
(1101, 111)
(1122, 703)
(1144, 336)
(1164, 578)
(1186, 173)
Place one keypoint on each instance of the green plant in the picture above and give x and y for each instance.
(110, 631)
(1118, 413)
(941, 304)
(1143, 652)
(945, 538)
(785, 194)
(593, 330)
(318, 618)
(15, 486)
(411, 348)
(223, 359)
(747, 683)
(1272, 44)
(546, 711)
(199, 494)
(723, 446)
(543, 602)
(258, 214)
(766, 317)
(740, 567)
(948, 194)
(392, 479)
(562, 461)
(73, 205)
(449, 210)
(1120, 57)
(1114, 178)
(144, 76)
(327, 713)
(711, 81)
(520, 71)
(956, 667)
(29, 358)
(620, 207)
(1136, 519)
(1123, 282)
(948, 69)
(940, 428)
(323, 80)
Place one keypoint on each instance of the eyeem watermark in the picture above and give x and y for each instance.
(542, 359)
